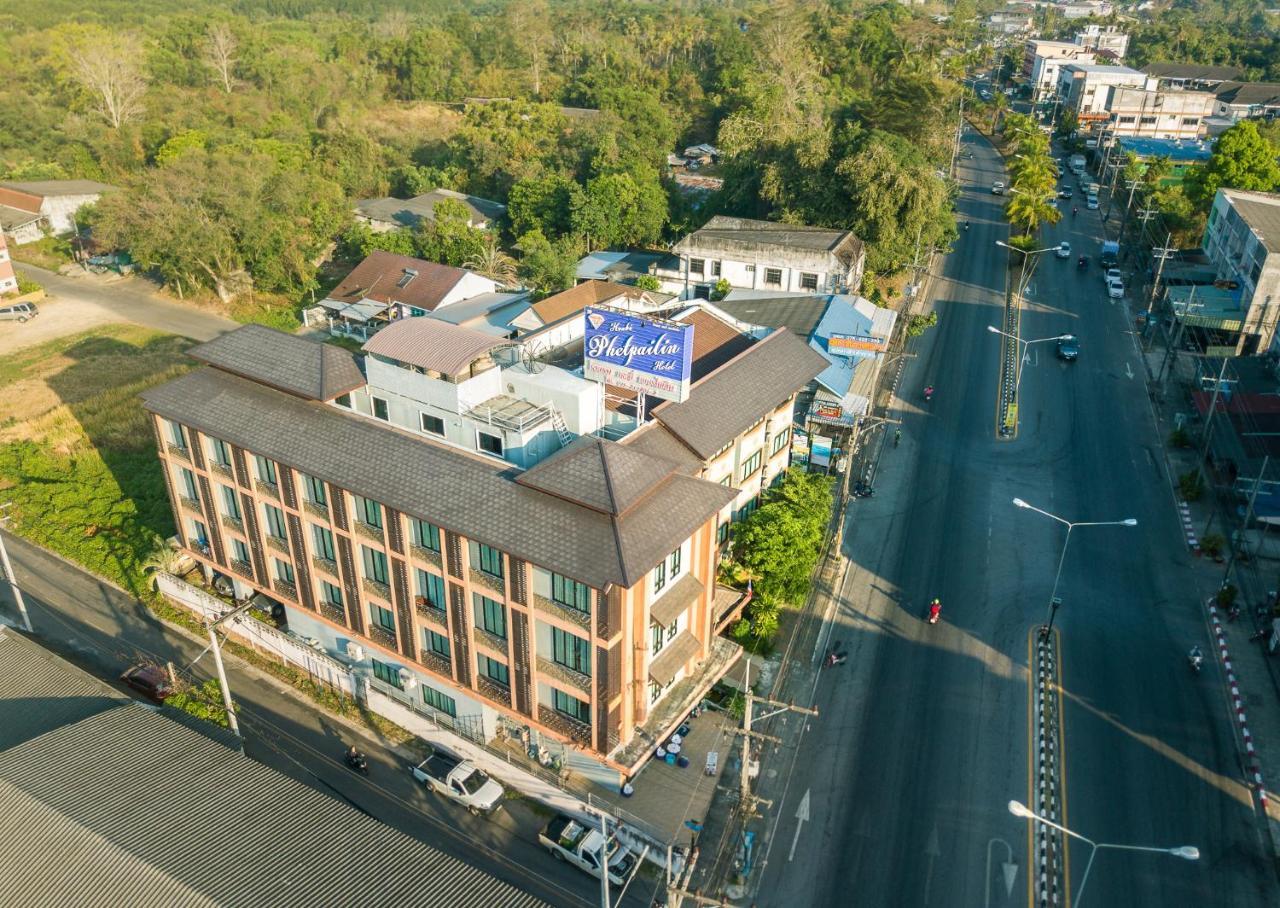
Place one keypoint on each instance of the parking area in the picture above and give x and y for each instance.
(58, 316)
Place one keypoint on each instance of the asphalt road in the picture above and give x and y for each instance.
(104, 630)
(923, 735)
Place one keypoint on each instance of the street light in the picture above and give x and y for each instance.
(1017, 380)
(1026, 254)
(1186, 852)
(1070, 525)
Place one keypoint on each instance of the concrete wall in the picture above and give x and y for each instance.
(470, 285)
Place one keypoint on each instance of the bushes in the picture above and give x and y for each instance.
(1190, 486)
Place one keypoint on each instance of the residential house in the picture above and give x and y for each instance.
(1247, 100)
(385, 287)
(448, 520)
(557, 320)
(1010, 22)
(1085, 9)
(391, 214)
(1183, 155)
(1108, 38)
(1242, 243)
(28, 210)
(1086, 89)
(619, 267)
(1191, 76)
(750, 254)
(8, 279)
(143, 808)
(1158, 114)
(1042, 61)
(489, 313)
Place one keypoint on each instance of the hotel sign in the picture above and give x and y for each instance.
(651, 355)
(856, 344)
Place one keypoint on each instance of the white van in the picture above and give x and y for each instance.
(18, 312)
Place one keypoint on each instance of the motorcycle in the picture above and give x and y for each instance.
(356, 761)
(862, 490)
(928, 393)
(935, 611)
(835, 656)
(1074, 211)
(1083, 263)
(966, 225)
(897, 438)
(1196, 659)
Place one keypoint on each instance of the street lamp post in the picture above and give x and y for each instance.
(1017, 380)
(1026, 254)
(1186, 852)
(1070, 525)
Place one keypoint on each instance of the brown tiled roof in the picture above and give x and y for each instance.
(730, 400)
(432, 344)
(575, 299)
(653, 439)
(598, 474)
(461, 492)
(378, 276)
(290, 363)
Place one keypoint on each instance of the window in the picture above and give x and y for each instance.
(1147, 121)
(330, 593)
(315, 491)
(657, 640)
(672, 629)
(571, 706)
(380, 409)
(660, 576)
(655, 691)
(1190, 121)
(284, 570)
(751, 269)
(431, 588)
(780, 441)
(176, 437)
(674, 562)
(438, 701)
(570, 651)
(266, 469)
(495, 670)
(751, 464)
(425, 534)
(368, 512)
(375, 564)
(490, 444)
(323, 543)
(570, 593)
(722, 534)
(201, 532)
(715, 269)
(1124, 119)
(220, 452)
(383, 618)
(343, 400)
(749, 508)
(697, 266)
(230, 503)
(773, 277)
(436, 643)
(388, 674)
(275, 520)
(487, 560)
(189, 484)
(493, 617)
(432, 424)
(725, 480)
(808, 281)
(239, 551)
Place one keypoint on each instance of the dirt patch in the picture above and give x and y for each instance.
(58, 317)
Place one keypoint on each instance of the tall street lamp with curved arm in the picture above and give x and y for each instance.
(1017, 381)
(1070, 525)
(1186, 852)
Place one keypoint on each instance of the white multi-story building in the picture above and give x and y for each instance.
(1104, 38)
(1085, 88)
(1242, 240)
(1085, 9)
(1043, 60)
(1158, 114)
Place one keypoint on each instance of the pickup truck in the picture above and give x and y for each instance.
(1110, 254)
(572, 840)
(458, 780)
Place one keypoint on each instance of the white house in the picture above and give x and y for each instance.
(1104, 38)
(1042, 60)
(762, 255)
(29, 209)
(1247, 100)
(1158, 114)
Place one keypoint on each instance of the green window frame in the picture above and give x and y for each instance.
(274, 520)
(571, 706)
(231, 502)
(425, 534)
(323, 539)
(495, 670)
(388, 674)
(284, 570)
(431, 588)
(570, 593)
(317, 494)
(368, 512)
(239, 551)
(571, 651)
(189, 480)
(436, 643)
(489, 560)
(221, 453)
(660, 576)
(375, 564)
(266, 469)
(780, 441)
(384, 618)
(330, 593)
(439, 702)
(722, 533)
(493, 616)
(676, 563)
(752, 463)
(176, 436)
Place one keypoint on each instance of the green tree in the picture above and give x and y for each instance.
(542, 203)
(493, 263)
(546, 266)
(181, 143)
(448, 237)
(358, 240)
(614, 209)
(780, 542)
(1241, 159)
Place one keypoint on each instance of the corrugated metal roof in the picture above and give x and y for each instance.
(123, 806)
(294, 364)
(432, 344)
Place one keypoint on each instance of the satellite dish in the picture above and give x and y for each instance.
(529, 354)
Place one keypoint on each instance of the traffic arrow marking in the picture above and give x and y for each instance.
(802, 817)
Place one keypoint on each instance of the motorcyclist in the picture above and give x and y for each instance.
(966, 225)
(1074, 209)
(1196, 657)
(353, 755)
(935, 609)
(897, 437)
(928, 392)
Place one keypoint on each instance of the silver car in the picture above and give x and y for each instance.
(19, 312)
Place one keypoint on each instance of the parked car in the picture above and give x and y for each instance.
(459, 780)
(151, 681)
(1064, 192)
(572, 840)
(1068, 348)
(1063, 251)
(1115, 289)
(18, 312)
(997, 188)
(1111, 274)
(1091, 203)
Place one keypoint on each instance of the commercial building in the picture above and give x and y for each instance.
(762, 255)
(454, 521)
(8, 279)
(1043, 60)
(1010, 22)
(1084, 9)
(1085, 89)
(29, 210)
(1191, 76)
(1247, 100)
(1158, 114)
(1182, 155)
(1242, 242)
(104, 801)
(1104, 38)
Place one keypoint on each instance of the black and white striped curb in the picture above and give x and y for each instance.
(1253, 769)
(1188, 528)
(1048, 841)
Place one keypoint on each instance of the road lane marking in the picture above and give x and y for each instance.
(1128, 370)
(1062, 772)
(1008, 869)
(802, 817)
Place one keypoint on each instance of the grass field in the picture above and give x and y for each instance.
(77, 454)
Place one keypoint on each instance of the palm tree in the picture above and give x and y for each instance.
(493, 263)
(1030, 210)
(999, 104)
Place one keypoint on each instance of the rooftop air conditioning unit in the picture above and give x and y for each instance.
(355, 652)
(407, 679)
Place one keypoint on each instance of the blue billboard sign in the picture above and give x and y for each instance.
(641, 353)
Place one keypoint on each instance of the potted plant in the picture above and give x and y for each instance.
(1212, 546)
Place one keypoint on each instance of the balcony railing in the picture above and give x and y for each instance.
(441, 663)
(376, 588)
(491, 639)
(279, 543)
(576, 729)
(333, 612)
(233, 523)
(243, 568)
(564, 674)
(178, 451)
(489, 582)
(222, 469)
(190, 504)
(424, 608)
(285, 588)
(424, 554)
(381, 635)
(568, 613)
(267, 488)
(328, 565)
(316, 510)
(202, 548)
(494, 690)
(368, 531)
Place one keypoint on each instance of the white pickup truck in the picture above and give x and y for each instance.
(572, 840)
(458, 780)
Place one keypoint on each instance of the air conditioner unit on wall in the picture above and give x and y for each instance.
(407, 679)
(355, 652)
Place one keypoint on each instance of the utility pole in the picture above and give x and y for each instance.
(13, 580)
(216, 646)
(1172, 349)
(1208, 427)
(1160, 254)
(1132, 186)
